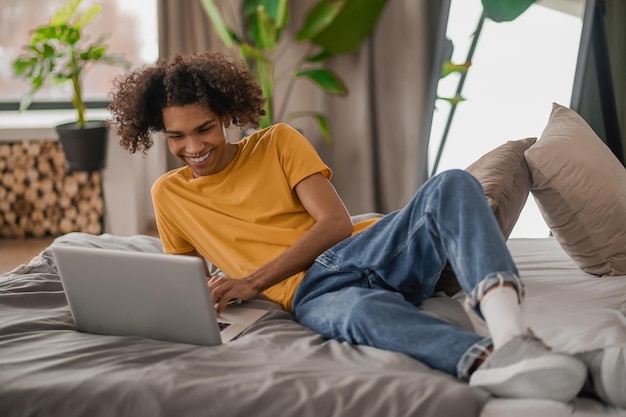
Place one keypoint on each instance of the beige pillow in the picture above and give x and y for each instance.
(504, 176)
(503, 173)
(580, 188)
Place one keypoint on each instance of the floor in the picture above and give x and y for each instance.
(14, 252)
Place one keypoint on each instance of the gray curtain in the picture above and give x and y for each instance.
(588, 95)
(183, 27)
(616, 37)
(380, 154)
(380, 129)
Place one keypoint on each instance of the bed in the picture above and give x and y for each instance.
(279, 368)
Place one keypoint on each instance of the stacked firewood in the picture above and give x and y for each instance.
(39, 196)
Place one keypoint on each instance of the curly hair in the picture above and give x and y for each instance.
(221, 83)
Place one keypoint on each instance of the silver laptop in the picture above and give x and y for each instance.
(159, 296)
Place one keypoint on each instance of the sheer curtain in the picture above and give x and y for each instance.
(380, 129)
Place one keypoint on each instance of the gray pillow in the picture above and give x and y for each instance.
(580, 189)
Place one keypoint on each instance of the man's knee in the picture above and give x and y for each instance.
(457, 178)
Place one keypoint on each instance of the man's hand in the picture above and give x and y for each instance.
(224, 290)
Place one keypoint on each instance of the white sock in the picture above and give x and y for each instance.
(503, 315)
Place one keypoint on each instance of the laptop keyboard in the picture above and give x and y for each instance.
(223, 325)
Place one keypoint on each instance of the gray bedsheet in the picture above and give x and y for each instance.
(276, 368)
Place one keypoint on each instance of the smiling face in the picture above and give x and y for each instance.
(197, 136)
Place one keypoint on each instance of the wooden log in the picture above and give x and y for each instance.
(33, 148)
(94, 228)
(66, 225)
(39, 196)
(22, 208)
(32, 174)
(19, 188)
(5, 150)
(5, 207)
(37, 216)
(8, 180)
(38, 230)
(11, 197)
(10, 217)
(64, 201)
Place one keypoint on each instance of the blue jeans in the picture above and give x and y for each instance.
(366, 290)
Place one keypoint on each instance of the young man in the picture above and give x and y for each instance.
(264, 211)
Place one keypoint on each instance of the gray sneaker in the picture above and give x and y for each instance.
(607, 374)
(526, 368)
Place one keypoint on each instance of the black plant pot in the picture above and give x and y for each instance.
(85, 148)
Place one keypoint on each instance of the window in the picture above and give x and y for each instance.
(132, 26)
(519, 68)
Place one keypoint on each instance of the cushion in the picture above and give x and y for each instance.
(580, 189)
(504, 175)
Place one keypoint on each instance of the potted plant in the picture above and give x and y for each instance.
(331, 28)
(59, 53)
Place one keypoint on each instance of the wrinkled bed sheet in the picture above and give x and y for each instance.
(572, 311)
(276, 368)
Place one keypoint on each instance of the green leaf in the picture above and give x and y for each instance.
(265, 121)
(453, 100)
(263, 28)
(282, 14)
(93, 53)
(86, 17)
(63, 14)
(219, 25)
(350, 27)
(44, 34)
(321, 120)
(324, 79)
(322, 56)
(318, 19)
(505, 10)
(265, 76)
(72, 35)
(277, 10)
(322, 123)
(35, 49)
(48, 51)
(234, 37)
(59, 79)
(249, 14)
(449, 68)
(115, 59)
(36, 84)
(266, 34)
(21, 64)
(250, 51)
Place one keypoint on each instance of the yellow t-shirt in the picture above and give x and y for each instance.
(247, 214)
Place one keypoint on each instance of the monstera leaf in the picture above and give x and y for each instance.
(505, 10)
